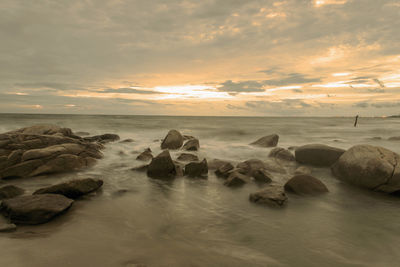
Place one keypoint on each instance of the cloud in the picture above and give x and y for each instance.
(380, 83)
(129, 90)
(240, 87)
(292, 78)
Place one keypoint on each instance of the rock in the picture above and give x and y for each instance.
(303, 170)
(262, 176)
(129, 140)
(82, 133)
(35, 209)
(44, 129)
(272, 195)
(179, 172)
(145, 155)
(224, 170)
(267, 141)
(104, 138)
(162, 166)
(305, 185)
(281, 153)
(216, 163)
(10, 191)
(236, 179)
(192, 145)
(249, 167)
(72, 189)
(173, 140)
(197, 169)
(62, 163)
(394, 138)
(7, 227)
(371, 167)
(187, 157)
(187, 137)
(318, 155)
(141, 168)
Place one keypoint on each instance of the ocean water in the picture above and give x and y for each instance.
(196, 222)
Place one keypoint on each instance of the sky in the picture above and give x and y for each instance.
(208, 57)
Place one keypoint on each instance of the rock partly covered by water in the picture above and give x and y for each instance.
(187, 157)
(173, 140)
(394, 138)
(104, 138)
(262, 176)
(305, 185)
(197, 169)
(35, 209)
(318, 155)
(72, 189)
(161, 166)
(43, 149)
(10, 191)
(272, 195)
(371, 167)
(236, 179)
(281, 153)
(145, 155)
(224, 170)
(192, 145)
(267, 141)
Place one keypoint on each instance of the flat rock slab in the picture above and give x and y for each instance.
(272, 195)
(35, 209)
(318, 155)
(72, 189)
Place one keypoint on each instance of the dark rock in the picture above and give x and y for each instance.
(104, 138)
(10, 191)
(145, 155)
(394, 138)
(197, 169)
(371, 167)
(249, 167)
(305, 185)
(72, 189)
(267, 141)
(318, 155)
(192, 145)
(162, 166)
(262, 176)
(127, 141)
(272, 195)
(224, 170)
(236, 179)
(173, 140)
(187, 157)
(35, 209)
(281, 153)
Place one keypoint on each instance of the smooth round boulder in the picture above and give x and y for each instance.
(267, 141)
(318, 155)
(305, 185)
(371, 167)
(72, 189)
(192, 145)
(281, 153)
(197, 169)
(10, 191)
(272, 195)
(35, 209)
(161, 166)
(173, 140)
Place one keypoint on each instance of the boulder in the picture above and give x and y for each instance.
(72, 189)
(197, 169)
(272, 195)
(318, 155)
(236, 179)
(371, 167)
(161, 166)
(10, 191)
(192, 145)
(35, 209)
(305, 185)
(224, 170)
(145, 155)
(262, 176)
(104, 138)
(249, 167)
(267, 141)
(281, 153)
(173, 140)
(303, 170)
(187, 157)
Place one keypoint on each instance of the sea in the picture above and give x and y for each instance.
(138, 221)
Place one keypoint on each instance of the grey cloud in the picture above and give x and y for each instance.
(376, 90)
(380, 83)
(239, 87)
(292, 78)
(130, 91)
(361, 105)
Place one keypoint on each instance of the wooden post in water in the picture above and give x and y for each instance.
(355, 123)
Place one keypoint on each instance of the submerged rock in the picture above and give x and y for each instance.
(10, 191)
(173, 140)
(249, 167)
(72, 189)
(281, 153)
(318, 155)
(192, 145)
(129, 140)
(371, 167)
(267, 141)
(187, 157)
(224, 170)
(197, 169)
(35, 209)
(305, 185)
(161, 166)
(236, 179)
(262, 176)
(394, 138)
(272, 195)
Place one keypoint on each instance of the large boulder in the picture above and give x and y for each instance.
(272, 195)
(192, 145)
(318, 155)
(10, 191)
(197, 169)
(281, 153)
(161, 166)
(267, 141)
(72, 189)
(371, 167)
(305, 185)
(35, 209)
(173, 140)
